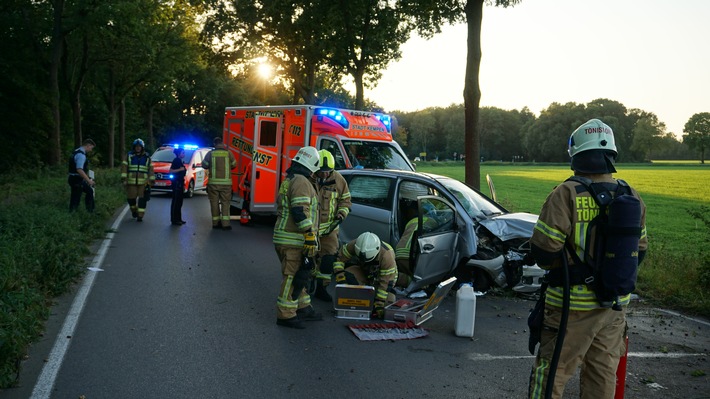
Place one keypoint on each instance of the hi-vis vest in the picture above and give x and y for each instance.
(220, 163)
(295, 192)
(404, 246)
(137, 169)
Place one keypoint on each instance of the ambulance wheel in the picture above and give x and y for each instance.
(190, 189)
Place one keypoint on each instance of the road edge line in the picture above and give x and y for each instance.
(45, 381)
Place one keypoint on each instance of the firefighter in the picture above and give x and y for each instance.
(594, 334)
(137, 176)
(295, 239)
(334, 206)
(218, 165)
(79, 179)
(373, 264)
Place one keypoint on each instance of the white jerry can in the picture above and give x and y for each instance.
(465, 311)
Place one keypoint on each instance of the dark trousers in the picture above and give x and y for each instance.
(79, 186)
(176, 206)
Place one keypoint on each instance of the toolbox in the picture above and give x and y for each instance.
(418, 311)
(353, 301)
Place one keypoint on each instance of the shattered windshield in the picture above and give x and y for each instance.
(374, 155)
(476, 205)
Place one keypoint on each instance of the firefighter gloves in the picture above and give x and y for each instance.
(310, 244)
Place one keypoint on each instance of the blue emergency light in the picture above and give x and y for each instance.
(185, 146)
(335, 115)
(386, 120)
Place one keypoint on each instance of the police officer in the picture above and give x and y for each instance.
(79, 180)
(595, 334)
(218, 164)
(334, 206)
(295, 239)
(177, 170)
(137, 176)
(373, 264)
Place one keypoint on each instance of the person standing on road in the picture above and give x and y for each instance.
(295, 239)
(334, 206)
(595, 331)
(373, 264)
(79, 180)
(177, 170)
(137, 176)
(218, 165)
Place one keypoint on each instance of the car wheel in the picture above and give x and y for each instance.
(190, 189)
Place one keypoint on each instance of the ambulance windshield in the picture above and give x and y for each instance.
(374, 155)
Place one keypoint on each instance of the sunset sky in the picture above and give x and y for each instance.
(648, 54)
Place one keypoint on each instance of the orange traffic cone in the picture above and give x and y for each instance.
(244, 217)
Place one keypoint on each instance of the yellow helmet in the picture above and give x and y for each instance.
(326, 160)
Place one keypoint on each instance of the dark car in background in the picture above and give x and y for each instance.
(472, 237)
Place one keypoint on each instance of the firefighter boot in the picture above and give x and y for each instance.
(309, 314)
(321, 292)
(293, 322)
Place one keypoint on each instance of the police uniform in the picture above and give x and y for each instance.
(78, 185)
(594, 335)
(178, 184)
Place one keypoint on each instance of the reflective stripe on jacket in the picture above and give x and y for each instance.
(380, 273)
(333, 198)
(219, 162)
(298, 193)
(137, 169)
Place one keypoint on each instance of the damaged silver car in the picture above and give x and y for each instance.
(460, 231)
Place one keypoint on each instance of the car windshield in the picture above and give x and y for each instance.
(167, 155)
(476, 205)
(374, 155)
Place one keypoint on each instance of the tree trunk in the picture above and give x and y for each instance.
(359, 89)
(54, 143)
(472, 94)
(111, 105)
(76, 87)
(149, 122)
(122, 127)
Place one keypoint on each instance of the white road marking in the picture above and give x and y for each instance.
(45, 381)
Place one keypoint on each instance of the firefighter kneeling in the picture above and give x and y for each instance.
(374, 265)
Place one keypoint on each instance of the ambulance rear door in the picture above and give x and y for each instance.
(265, 179)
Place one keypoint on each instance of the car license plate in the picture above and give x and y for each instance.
(161, 183)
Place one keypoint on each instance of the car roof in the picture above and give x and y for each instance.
(394, 173)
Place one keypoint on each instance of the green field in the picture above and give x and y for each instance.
(676, 271)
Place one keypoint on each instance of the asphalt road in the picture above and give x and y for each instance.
(189, 312)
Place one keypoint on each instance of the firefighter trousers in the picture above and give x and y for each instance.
(220, 196)
(327, 254)
(594, 340)
(135, 194)
(289, 302)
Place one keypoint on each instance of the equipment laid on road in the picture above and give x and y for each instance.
(465, 311)
(417, 312)
(353, 301)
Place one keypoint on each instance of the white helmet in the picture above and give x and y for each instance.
(308, 157)
(592, 135)
(367, 246)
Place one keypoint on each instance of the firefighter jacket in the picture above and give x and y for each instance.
(562, 224)
(137, 169)
(219, 162)
(296, 210)
(333, 199)
(404, 245)
(381, 272)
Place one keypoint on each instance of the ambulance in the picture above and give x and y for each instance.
(264, 139)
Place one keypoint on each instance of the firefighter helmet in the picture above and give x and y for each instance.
(308, 157)
(367, 246)
(327, 161)
(138, 142)
(592, 148)
(592, 135)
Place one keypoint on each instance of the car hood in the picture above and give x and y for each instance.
(161, 167)
(511, 225)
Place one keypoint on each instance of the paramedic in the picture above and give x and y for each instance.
(374, 265)
(177, 170)
(334, 206)
(79, 180)
(594, 335)
(218, 164)
(295, 239)
(136, 175)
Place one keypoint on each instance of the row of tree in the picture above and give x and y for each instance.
(164, 71)
(519, 135)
